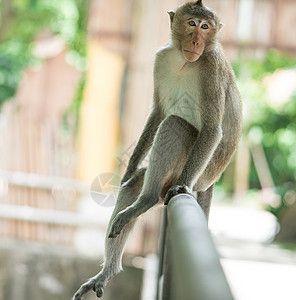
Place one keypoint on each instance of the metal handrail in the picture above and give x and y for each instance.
(190, 268)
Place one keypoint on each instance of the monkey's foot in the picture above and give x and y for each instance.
(176, 190)
(95, 283)
(117, 224)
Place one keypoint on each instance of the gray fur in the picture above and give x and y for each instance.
(193, 131)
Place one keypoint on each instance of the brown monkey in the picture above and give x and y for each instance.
(193, 128)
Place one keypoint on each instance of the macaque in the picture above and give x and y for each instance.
(192, 131)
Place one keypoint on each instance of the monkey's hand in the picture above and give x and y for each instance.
(118, 223)
(130, 177)
(176, 190)
(128, 174)
(96, 284)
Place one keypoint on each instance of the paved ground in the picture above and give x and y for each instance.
(254, 280)
(255, 268)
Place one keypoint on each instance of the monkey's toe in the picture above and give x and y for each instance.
(176, 190)
(85, 288)
(99, 285)
(99, 291)
(96, 284)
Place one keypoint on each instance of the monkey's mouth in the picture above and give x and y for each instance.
(191, 52)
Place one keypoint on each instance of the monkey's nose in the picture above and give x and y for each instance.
(195, 43)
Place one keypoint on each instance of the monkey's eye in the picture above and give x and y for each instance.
(191, 23)
(204, 26)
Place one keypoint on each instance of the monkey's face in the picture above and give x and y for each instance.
(194, 29)
(195, 35)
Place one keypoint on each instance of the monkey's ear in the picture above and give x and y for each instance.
(199, 2)
(172, 14)
(220, 26)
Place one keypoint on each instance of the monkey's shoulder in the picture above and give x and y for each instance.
(216, 62)
(170, 65)
(163, 50)
(167, 55)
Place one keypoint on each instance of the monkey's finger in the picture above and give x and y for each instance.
(99, 292)
(176, 190)
(112, 235)
(126, 177)
(169, 195)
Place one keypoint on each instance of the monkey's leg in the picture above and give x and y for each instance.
(172, 144)
(128, 193)
(204, 199)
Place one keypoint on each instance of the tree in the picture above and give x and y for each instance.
(22, 20)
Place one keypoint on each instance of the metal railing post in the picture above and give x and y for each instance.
(197, 272)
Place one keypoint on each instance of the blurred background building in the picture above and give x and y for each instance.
(75, 90)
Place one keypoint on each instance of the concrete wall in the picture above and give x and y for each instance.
(34, 272)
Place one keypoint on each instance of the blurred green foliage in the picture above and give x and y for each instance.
(273, 127)
(22, 20)
(258, 69)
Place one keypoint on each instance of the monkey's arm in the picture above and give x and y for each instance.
(210, 135)
(145, 142)
(202, 151)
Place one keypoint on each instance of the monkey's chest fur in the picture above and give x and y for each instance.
(179, 95)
